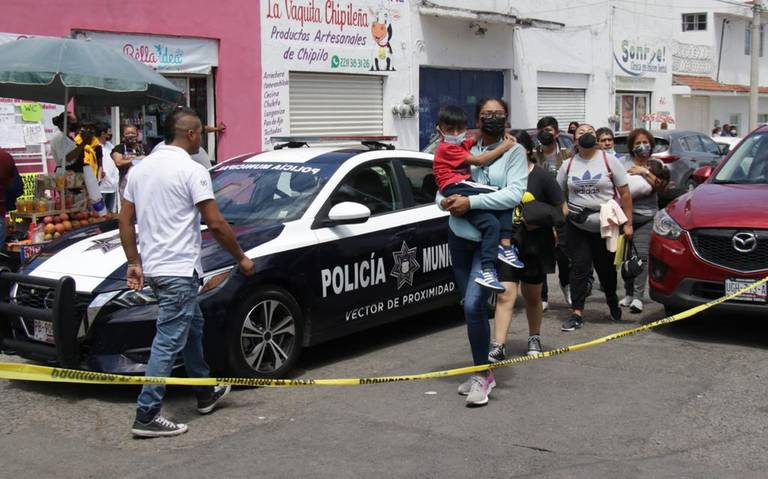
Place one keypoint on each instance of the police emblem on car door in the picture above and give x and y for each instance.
(365, 262)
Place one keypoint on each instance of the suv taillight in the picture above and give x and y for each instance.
(666, 157)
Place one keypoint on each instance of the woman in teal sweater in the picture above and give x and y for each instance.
(510, 174)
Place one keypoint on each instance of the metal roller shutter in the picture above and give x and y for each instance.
(565, 104)
(336, 104)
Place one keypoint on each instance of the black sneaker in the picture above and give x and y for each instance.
(573, 323)
(497, 353)
(205, 406)
(615, 313)
(158, 427)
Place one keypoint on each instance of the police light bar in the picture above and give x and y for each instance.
(329, 138)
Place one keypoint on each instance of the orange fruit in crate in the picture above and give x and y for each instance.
(59, 227)
(67, 225)
(50, 228)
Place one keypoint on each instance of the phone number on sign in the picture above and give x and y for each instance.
(339, 62)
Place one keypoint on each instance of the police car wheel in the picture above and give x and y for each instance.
(265, 335)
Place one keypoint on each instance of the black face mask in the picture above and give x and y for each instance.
(545, 138)
(587, 141)
(494, 125)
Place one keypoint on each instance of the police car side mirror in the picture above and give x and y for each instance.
(347, 213)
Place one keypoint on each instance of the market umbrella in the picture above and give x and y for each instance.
(54, 69)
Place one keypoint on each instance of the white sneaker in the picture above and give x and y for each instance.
(566, 293)
(624, 303)
(636, 306)
(481, 388)
(544, 306)
(466, 386)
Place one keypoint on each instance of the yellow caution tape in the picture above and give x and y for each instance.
(29, 372)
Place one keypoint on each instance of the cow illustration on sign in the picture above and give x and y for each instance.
(381, 29)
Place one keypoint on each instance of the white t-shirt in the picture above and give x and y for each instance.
(61, 146)
(165, 187)
(200, 157)
(589, 184)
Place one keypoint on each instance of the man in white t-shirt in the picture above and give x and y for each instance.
(63, 148)
(166, 194)
(108, 183)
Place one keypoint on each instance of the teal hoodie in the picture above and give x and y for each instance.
(509, 172)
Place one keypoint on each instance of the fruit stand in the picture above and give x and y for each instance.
(59, 205)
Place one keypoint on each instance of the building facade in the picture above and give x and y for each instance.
(210, 51)
(712, 67)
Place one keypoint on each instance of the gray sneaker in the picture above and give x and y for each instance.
(534, 345)
(481, 388)
(466, 386)
(158, 427)
(497, 353)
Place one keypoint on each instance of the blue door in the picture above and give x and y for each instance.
(440, 86)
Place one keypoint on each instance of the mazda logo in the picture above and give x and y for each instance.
(744, 242)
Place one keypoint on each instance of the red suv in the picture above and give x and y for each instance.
(714, 240)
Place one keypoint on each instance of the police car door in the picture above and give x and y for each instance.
(364, 269)
(435, 274)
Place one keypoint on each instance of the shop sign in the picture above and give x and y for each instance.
(331, 36)
(164, 54)
(641, 57)
(353, 36)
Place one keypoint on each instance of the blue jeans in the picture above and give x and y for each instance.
(179, 330)
(465, 256)
(3, 232)
(493, 225)
(110, 200)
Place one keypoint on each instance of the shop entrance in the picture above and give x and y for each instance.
(442, 86)
(630, 109)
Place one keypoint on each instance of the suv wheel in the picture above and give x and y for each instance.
(264, 336)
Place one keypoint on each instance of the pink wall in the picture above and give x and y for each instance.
(235, 23)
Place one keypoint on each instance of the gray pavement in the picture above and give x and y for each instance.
(687, 400)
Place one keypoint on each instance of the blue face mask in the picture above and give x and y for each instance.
(454, 139)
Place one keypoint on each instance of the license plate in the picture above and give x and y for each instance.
(43, 331)
(757, 295)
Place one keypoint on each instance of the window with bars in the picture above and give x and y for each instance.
(694, 22)
(748, 40)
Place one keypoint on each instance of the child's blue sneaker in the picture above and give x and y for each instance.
(489, 279)
(510, 256)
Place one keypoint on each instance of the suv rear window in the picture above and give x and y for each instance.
(620, 145)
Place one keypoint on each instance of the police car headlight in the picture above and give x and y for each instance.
(131, 298)
(664, 225)
(214, 280)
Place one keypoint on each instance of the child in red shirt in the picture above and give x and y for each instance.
(451, 167)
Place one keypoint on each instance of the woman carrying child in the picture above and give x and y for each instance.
(647, 177)
(509, 173)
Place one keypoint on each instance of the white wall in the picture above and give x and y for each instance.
(735, 65)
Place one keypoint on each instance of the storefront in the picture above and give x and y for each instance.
(189, 63)
(214, 55)
(642, 83)
(332, 69)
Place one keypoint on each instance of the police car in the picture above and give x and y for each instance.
(343, 239)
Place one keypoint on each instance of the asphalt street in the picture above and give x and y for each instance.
(687, 400)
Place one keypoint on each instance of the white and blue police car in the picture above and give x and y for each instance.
(343, 239)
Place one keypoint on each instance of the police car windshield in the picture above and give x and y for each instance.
(251, 192)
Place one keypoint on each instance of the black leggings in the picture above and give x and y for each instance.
(586, 250)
